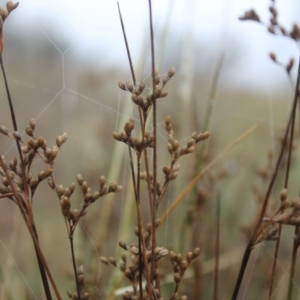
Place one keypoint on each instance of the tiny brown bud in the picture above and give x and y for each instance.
(163, 94)
(102, 181)
(60, 190)
(88, 198)
(190, 143)
(3, 130)
(206, 135)
(40, 142)
(96, 196)
(189, 257)
(17, 135)
(29, 131)
(122, 85)
(72, 187)
(104, 260)
(116, 136)
(53, 153)
(157, 93)
(84, 187)
(81, 279)
(33, 184)
(112, 187)
(166, 170)
(141, 86)
(79, 179)
(32, 123)
(184, 265)
(171, 72)
(168, 120)
(196, 252)
(129, 86)
(283, 194)
(129, 126)
(271, 29)
(272, 55)
(122, 245)
(41, 176)
(10, 6)
(51, 183)
(177, 277)
(112, 260)
(290, 65)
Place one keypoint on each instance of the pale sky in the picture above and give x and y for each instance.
(92, 27)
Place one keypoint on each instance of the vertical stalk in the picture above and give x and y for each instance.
(28, 218)
(74, 263)
(217, 248)
(293, 263)
(257, 229)
(154, 206)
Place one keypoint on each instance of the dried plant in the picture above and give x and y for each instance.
(143, 261)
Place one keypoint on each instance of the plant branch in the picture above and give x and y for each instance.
(188, 188)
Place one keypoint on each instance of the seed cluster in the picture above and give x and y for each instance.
(138, 144)
(176, 151)
(10, 6)
(131, 267)
(73, 215)
(144, 104)
(274, 27)
(4, 13)
(83, 294)
(180, 265)
(19, 172)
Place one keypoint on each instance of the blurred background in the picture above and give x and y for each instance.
(63, 60)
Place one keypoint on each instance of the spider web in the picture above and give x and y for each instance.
(68, 80)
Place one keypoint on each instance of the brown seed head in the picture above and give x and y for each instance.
(129, 126)
(33, 184)
(283, 194)
(196, 252)
(29, 131)
(171, 72)
(290, 65)
(10, 6)
(79, 179)
(32, 123)
(177, 277)
(81, 279)
(122, 85)
(112, 261)
(250, 15)
(272, 55)
(104, 260)
(129, 86)
(17, 135)
(3, 130)
(122, 245)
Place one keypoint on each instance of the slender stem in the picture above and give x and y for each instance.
(21, 203)
(192, 183)
(293, 263)
(217, 248)
(140, 231)
(154, 206)
(257, 229)
(41, 267)
(12, 112)
(143, 261)
(74, 264)
(127, 47)
(275, 262)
